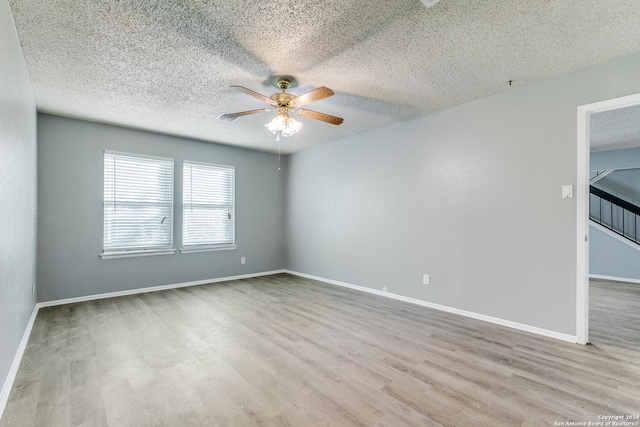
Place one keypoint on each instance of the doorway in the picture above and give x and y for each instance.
(582, 209)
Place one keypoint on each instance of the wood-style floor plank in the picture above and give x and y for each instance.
(286, 351)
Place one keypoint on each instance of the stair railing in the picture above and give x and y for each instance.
(617, 215)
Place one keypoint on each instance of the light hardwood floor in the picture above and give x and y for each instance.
(614, 317)
(286, 351)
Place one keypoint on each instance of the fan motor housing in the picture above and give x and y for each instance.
(282, 98)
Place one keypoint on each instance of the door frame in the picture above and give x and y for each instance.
(582, 207)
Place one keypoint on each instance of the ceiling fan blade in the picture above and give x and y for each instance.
(232, 117)
(314, 95)
(256, 95)
(319, 116)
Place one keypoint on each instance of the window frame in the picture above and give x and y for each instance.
(125, 252)
(207, 247)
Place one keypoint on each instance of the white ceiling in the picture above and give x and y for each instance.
(615, 129)
(166, 66)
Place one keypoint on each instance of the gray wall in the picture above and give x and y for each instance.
(470, 195)
(71, 216)
(17, 193)
(615, 159)
(608, 256)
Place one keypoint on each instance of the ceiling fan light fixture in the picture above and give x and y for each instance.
(283, 125)
(283, 102)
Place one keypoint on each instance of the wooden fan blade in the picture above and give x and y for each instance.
(320, 116)
(232, 117)
(256, 95)
(314, 95)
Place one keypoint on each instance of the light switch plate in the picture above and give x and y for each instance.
(567, 191)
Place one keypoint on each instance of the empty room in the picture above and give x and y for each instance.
(319, 213)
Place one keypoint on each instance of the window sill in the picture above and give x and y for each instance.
(130, 254)
(209, 249)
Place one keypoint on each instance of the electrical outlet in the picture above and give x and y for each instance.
(425, 279)
(384, 289)
(243, 260)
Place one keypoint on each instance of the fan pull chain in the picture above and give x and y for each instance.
(278, 154)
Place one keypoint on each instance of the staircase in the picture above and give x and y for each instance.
(615, 214)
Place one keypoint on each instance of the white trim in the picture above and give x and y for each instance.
(582, 229)
(154, 289)
(615, 235)
(489, 319)
(134, 253)
(614, 278)
(611, 104)
(209, 249)
(582, 210)
(8, 383)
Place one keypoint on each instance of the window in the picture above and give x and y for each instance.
(138, 205)
(208, 207)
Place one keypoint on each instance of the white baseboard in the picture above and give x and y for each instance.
(153, 289)
(615, 279)
(8, 383)
(494, 320)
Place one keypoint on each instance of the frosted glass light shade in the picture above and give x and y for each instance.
(283, 125)
(291, 126)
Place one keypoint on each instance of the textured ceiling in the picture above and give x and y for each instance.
(615, 129)
(166, 66)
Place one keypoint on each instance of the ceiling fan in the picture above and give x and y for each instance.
(283, 124)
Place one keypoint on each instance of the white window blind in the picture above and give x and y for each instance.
(138, 203)
(208, 206)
